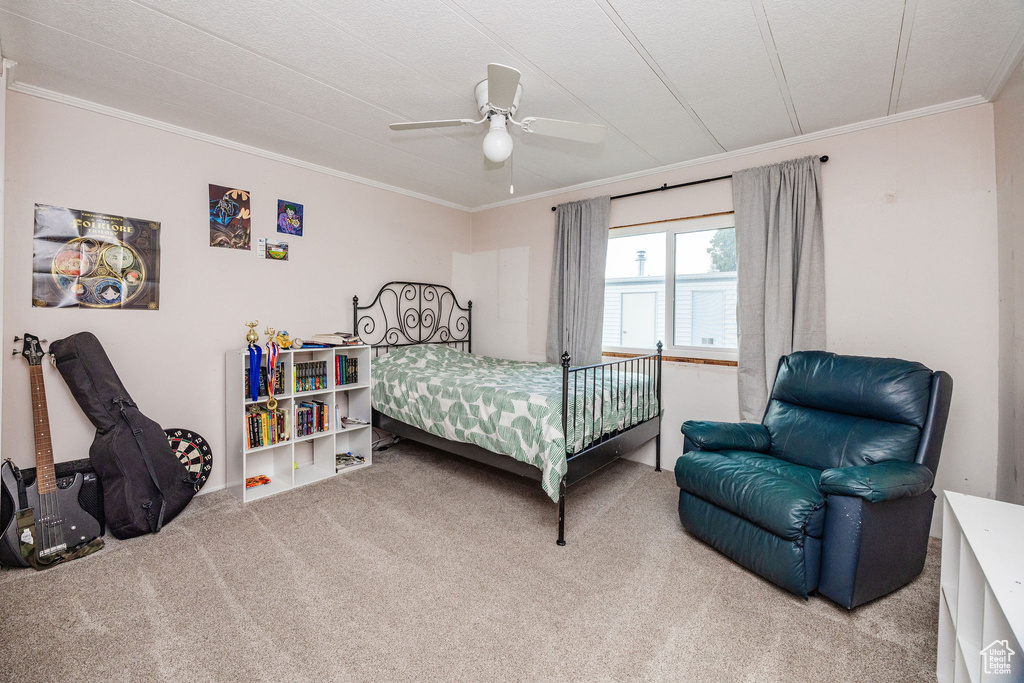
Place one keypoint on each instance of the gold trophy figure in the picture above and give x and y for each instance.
(252, 337)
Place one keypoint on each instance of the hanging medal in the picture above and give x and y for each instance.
(255, 358)
(273, 351)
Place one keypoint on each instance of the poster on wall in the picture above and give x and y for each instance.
(94, 260)
(289, 218)
(229, 218)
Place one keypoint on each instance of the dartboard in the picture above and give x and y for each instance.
(194, 453)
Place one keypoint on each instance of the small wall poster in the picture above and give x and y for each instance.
(84, 259)
(269, 249)
(229, 218)
(289, 218)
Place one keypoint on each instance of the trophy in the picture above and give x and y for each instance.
(252, 337)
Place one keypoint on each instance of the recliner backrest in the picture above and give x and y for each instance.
(828, 410)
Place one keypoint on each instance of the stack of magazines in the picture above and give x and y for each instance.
(337, 339)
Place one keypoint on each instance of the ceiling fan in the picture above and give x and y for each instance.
(497, 97)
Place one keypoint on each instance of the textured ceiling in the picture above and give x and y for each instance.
(673, 81)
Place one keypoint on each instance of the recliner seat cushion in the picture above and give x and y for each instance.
(777, 496)
(808, 476)
(839, 411)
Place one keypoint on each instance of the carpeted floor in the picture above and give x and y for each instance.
(426, 567)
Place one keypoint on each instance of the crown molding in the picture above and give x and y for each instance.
(786, 142)
(43, 93)
(88, 105)
(1010, 60)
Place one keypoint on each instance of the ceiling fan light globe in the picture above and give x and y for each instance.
(497, 145)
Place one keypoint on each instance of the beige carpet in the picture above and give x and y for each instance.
(425, 567)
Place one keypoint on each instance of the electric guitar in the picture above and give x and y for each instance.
(60, 522)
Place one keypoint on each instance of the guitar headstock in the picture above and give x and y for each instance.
(31, 349)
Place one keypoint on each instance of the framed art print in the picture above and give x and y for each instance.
(289, 218)
(229, 218)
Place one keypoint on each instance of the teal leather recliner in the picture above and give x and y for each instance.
(832, 491)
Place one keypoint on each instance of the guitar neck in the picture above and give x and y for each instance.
(46, 482)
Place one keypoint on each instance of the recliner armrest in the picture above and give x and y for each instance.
(727, 436)
(881, 481)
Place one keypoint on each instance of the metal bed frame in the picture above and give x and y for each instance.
(408, 313)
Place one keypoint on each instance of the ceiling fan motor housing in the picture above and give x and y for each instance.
(483, 101)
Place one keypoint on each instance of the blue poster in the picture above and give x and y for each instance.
(289, 218)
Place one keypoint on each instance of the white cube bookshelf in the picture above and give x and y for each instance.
(981, 589)
(296, 460)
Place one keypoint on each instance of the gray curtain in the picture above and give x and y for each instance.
(781, 278)
(576, 313)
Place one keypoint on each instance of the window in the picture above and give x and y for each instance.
(698, 305)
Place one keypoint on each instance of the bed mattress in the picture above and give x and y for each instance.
(509, 407)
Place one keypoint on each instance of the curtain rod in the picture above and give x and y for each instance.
(666, 186)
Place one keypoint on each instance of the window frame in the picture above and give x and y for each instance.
(671, 228)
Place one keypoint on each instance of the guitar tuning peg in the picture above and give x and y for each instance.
(42, 341)
(14, 352)
(17, 339)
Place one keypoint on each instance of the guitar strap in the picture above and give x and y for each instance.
(26, 520)
(22, 492)
(137, 433)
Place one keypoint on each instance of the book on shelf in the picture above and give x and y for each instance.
(258, 480)
(266, 427)
(346, 370)
(311, 417)
(343, 460)
(346, 422)
(278, 381)
(309, 376)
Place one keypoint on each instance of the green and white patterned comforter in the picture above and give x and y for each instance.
(508, 407)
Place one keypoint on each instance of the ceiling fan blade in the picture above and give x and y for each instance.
(567, 130)
(413, 125)
(502, 82)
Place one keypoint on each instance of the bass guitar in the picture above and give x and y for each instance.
(61, 525)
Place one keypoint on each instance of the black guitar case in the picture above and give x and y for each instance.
(144, 484)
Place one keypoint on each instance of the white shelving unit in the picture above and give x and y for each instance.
(298, 460)
(981, 594)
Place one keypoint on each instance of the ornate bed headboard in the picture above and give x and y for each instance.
(406, 313)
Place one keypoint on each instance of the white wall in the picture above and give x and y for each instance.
(911, 255)
(172, 360)
(1009, 144)
(910, 263)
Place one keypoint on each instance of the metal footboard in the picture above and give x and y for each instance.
(627, 391)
